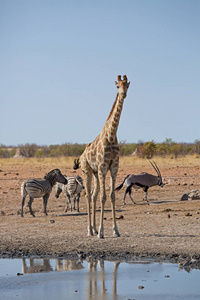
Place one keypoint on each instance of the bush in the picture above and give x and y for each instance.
(28, 150)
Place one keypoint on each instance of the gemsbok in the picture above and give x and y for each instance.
(141, 181)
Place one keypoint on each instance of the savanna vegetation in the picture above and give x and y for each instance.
(142, 149)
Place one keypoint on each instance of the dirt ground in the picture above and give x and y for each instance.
(166, 229)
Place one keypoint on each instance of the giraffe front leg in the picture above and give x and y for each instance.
(102, 200)
(112, 195)
(88, 179)
(90, 231)
(94, 200)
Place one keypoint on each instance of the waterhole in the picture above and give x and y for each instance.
(33, 278)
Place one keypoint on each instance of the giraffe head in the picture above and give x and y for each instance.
(122, 86)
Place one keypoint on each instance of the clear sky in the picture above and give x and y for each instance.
(59, 60)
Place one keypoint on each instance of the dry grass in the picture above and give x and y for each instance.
(53, 162)
(67, 162)
(189, 160)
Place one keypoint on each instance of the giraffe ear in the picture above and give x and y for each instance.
(117, 84)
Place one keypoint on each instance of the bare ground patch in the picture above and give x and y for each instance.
(167, 228)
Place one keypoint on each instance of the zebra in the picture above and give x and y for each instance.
(142, 180)
(74, 186)
(40, 188)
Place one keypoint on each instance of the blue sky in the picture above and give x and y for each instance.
(59, 61)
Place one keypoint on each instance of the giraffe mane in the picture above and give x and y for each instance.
(112, 107)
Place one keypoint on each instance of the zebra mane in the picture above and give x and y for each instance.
(51, 176)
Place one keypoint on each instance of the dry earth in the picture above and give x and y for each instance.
(166, 229)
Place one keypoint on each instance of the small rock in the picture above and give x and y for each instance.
(184, 197)
(51, 221)
(188, 215)
(120, 217)
(141, 287)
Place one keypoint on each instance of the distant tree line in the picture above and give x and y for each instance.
(142, 149)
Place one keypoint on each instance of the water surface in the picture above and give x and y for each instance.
(75, 279)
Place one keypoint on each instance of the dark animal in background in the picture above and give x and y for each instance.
(74, 186)
(40, 188)
(141, 181)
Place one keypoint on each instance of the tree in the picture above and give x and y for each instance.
(148, 149)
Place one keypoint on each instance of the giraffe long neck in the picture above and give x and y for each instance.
(113, 119)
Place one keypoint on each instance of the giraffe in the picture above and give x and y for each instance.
(100, 156)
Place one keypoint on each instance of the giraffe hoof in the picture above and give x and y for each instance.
(95, 232)
(100, 236)
(116, 234)
(90, 233)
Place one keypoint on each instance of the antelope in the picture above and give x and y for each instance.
(141, 181)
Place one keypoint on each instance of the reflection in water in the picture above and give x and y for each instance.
(96, 280)
(93, 278)
(43, 265)
(36, 265)
(96, 272)
(68, 265)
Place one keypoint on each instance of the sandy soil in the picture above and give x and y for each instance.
(166, 229)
